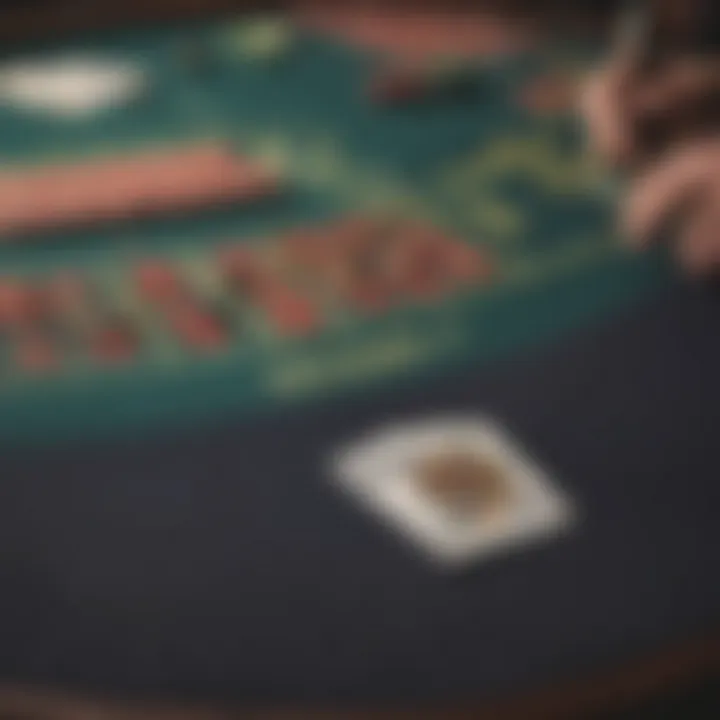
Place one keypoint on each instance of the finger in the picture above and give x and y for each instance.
(670, 184)
(699, 247)
(695, 252)
(609, 122)
(687, 83)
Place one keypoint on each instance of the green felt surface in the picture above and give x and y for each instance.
(480, 165)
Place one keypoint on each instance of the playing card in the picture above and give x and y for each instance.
(461, 489)
(70, 87)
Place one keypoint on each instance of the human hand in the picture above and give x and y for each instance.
(664, 128)
(683, 185)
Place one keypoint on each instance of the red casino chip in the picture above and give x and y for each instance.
(427, 282)
(19, 303)
(398, 88)
(197, 328)
(354, 237)
(306, 249)
(290, 312)
(414, 265)
(114, 345)
(159, 282)
(243, 269)
(467, 264)
(371, 296)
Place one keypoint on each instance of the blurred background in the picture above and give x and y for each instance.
(682, 683)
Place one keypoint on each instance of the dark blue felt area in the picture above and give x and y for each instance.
(223, 564)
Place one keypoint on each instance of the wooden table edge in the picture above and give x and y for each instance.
(674, 668)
